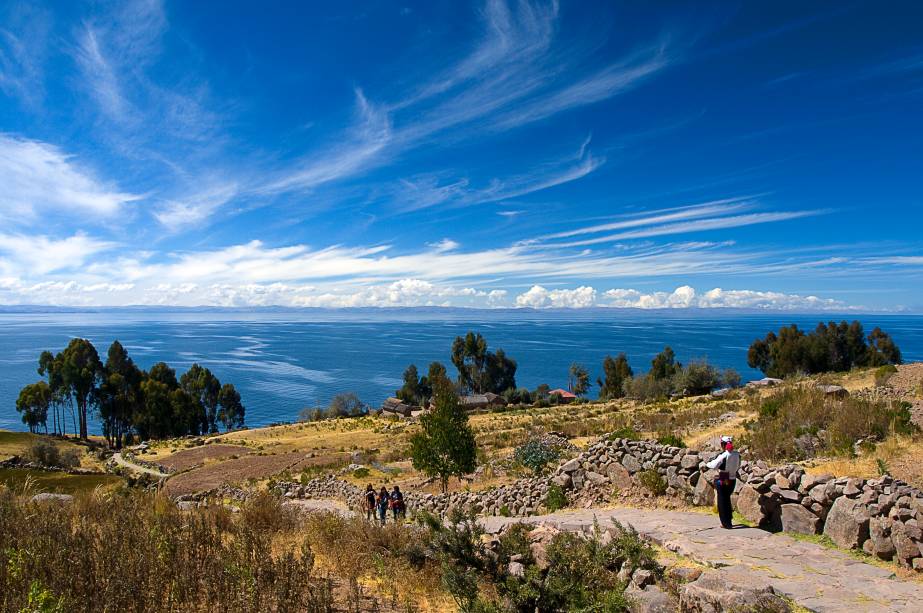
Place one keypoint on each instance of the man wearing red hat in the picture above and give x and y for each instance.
(728, 463)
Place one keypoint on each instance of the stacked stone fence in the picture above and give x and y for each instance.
(883, 517)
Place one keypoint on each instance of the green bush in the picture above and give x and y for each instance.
(625, 432)
(505, 511)
(883, 373)
(795, 415)
(671, 440)
(361, 473)
(536, 455)
(653, 481)
(555, 499)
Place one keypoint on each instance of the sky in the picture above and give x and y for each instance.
(471, 154)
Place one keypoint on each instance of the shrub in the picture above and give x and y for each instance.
(648, 388)
(671, 440)
(555, 499)
(625, 432)
(505, 511)
(697, 378)
(46, 453)
(883, 373)
(653, 481)
(797, 422)
(361, 472)
(536, 454)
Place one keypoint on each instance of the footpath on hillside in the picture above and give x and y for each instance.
(119, 459)
(813, 576)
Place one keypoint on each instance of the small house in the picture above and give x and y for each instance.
(396, 406)
(565, 396)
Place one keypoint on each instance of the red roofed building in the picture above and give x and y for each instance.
(564, 394)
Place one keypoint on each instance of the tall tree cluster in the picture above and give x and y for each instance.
(127, 399)
(479, 370)
(831, 347)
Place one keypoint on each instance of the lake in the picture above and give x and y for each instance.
(282, 362)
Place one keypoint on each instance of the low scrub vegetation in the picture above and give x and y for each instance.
(46, 453)
(800, 422)
(140, 553)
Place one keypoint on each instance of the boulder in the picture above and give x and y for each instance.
(906, 549)
(796, 518)
(703, 494)
(48, 497)
(631, 464)
(595, 478)
(618, 475)
(570, 466)
(759, 509)
(847, 523)
(711, 594)
(651, 599)
(879, 542)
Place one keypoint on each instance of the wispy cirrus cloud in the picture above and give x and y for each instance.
(713, 215)
(38, 177)
(514, 76)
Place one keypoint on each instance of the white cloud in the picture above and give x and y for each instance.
(196, 207)
(39, 255)
(444, 245)
(686, 297)
(538, 297)
(36, 176)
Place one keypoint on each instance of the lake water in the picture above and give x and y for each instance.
(283, 362)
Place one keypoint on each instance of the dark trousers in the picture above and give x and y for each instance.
(725, 510)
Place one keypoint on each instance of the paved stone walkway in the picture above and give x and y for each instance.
(817, 578)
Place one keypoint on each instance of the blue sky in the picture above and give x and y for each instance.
(762, 155)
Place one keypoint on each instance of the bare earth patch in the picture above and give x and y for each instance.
(190, 458)
(243, 469)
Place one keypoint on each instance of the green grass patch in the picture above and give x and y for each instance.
(57, 482)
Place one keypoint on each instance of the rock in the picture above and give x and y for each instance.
(571, 465)
(595, 478)
(651, 599)
(186, 505)
(879, 542)
(48, 497)
(796, 518)
(563, 481)
(689, 461)
(703, 494)
(516, 569)
(759, 509)
(905, 548)
(711, 594)
(642, 577)
(847, 523)
(631, 464)
(618, 475)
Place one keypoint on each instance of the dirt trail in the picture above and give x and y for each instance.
(121, 461)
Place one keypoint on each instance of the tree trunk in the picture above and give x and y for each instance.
(83, 419)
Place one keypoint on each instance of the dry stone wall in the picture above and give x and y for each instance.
(883, 517)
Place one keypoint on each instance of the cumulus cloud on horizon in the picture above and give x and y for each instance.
(409, 292)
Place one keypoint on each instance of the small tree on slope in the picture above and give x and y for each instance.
(445, 445)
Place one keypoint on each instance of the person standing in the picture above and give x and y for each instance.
(383, 500)
(369, 502)
(397, 503)
(728, 463)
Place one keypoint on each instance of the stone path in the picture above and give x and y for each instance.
(121, 461)
(815, 577)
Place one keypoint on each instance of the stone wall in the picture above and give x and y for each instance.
(881, 516)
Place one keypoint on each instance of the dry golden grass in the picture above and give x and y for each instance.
(18, 444)
(902, 456)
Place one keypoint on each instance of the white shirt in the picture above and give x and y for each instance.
(731, 461)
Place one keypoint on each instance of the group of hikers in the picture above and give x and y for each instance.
(727, 464)
(378, 503)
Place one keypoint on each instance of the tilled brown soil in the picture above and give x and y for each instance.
(190, 458)
(245, 468)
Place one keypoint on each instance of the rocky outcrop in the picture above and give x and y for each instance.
(710, 593)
